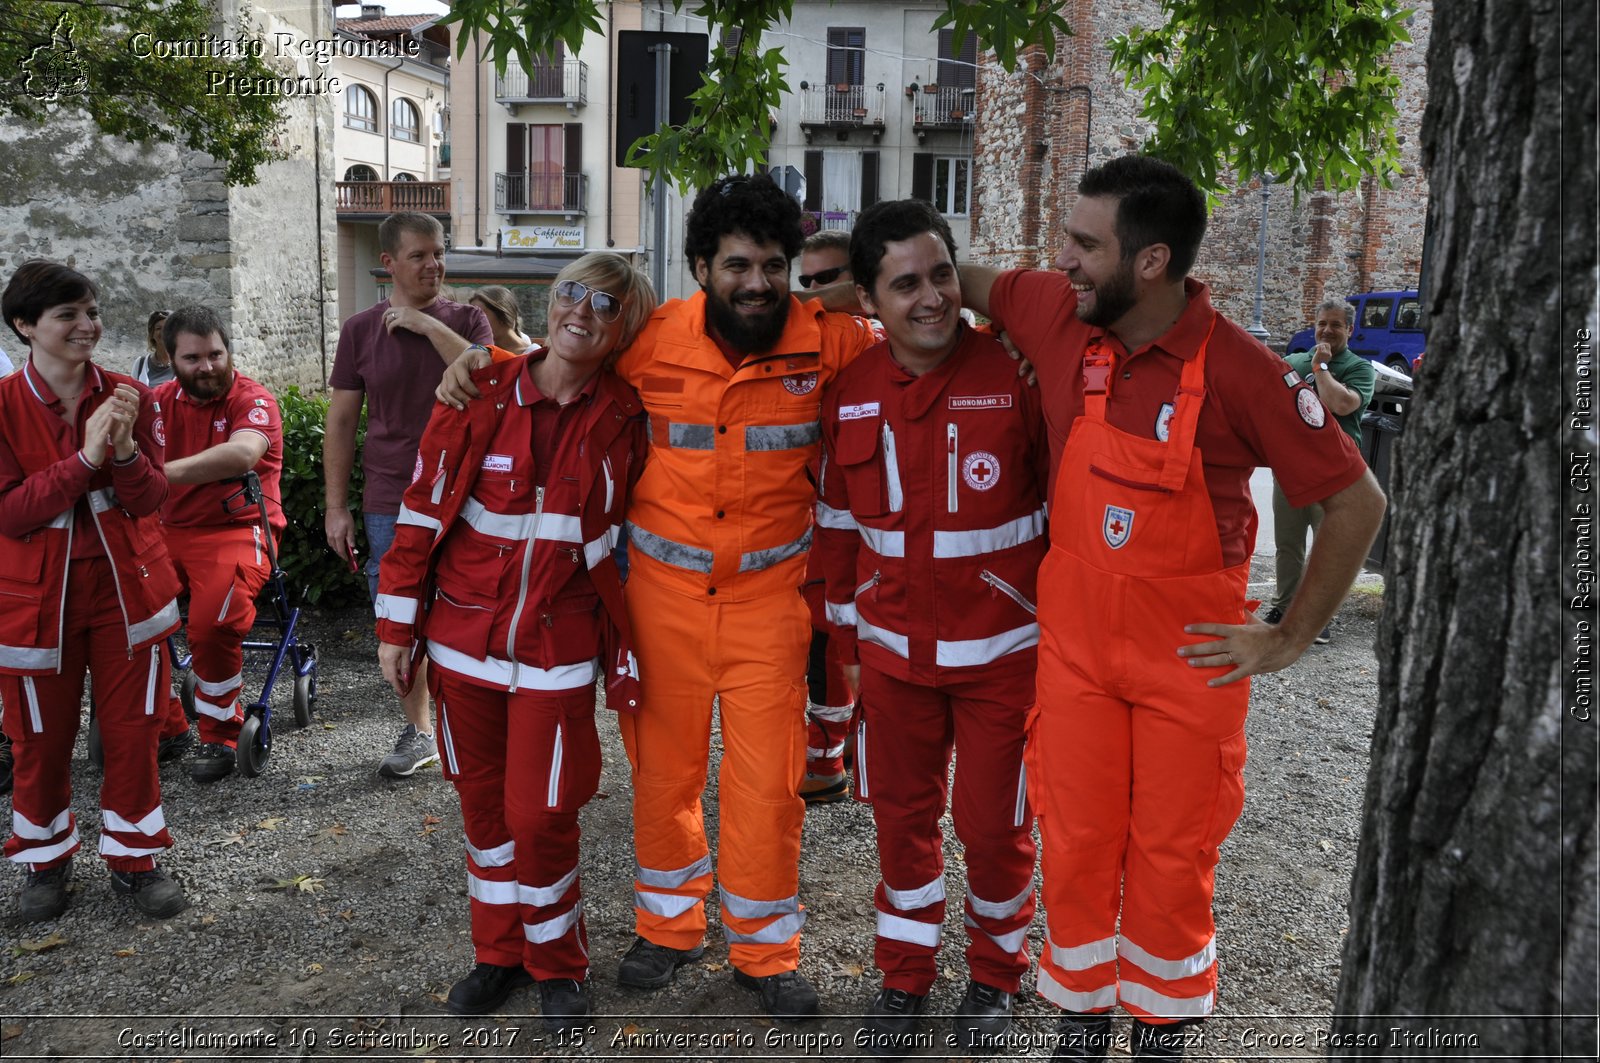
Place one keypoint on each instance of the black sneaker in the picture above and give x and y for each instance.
(486, 988)
(651, 966)
(787, 996)
(44, 893)
(6, 763)
(1324, 636)
(564, 1004)
(212, 761)
(1151, 1041)
(982, 1018)
(1270, 615)
(153, 892)
(173, 746)
(889, 1028)
(1083, 1037)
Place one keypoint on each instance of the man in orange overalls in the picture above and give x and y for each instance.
(1158, 410)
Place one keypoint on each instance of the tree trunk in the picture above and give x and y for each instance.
(1473, 908)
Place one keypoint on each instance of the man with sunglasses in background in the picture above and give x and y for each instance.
(720, 525)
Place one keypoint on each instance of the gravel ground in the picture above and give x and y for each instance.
(328, 905)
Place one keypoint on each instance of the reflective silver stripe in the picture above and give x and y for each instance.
(161, 621)
(838, 519)
(998, 909)
(596, 550)
(605, 467)
(544, 896)
(419, 520)
(61, 520)
(521, 527)
(109, 846)
(899, 928)
(691, 436)
(863, 789)
(1011, 942)
(1163, 1006)
(910, 900)
(101, 500)
(781, 436)
(668, 552)
(1062, 997)
(30, 658)
(23, 827)
(967, 652)
(554, 927)
(1019, 814)
(510, 676)
(892, 641)
(499, 856)
(447, 742)
(226, 686)
(761, 560)
(489, 891)
(552, 793)
(1083, 957)
(395, 608)
(675, 879)
(46, 853)
(213, 710)
(813, 753)
(891, 470)
(989, 540)
(665, 905)
(227, 599)
(1170, 970)
(884, 543)
(745, 908)
(842, 615)
(833, 713)
(34, 716)
(774, 933)
(154, 822)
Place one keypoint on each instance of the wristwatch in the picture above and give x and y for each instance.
(1322, 366)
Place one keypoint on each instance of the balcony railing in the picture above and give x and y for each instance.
(814, 220)
(943, 108)
(386, 197)
(541, 193)
(841, 107)
(564, 82)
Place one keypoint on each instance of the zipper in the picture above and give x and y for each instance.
(66, 577)
(437, 593)
(863, 786)
(891, 468)
(1002, 587)
(522, 588)
(870, 585)
(950, 465)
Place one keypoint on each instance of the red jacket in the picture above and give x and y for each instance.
(43, 481)
(931, 516)
(507, 584)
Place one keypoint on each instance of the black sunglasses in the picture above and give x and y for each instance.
(827, 276)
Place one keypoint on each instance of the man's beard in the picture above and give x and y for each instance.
(1112, 299)
(750, 335)
(204, 390)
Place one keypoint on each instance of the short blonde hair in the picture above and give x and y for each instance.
(609, 272)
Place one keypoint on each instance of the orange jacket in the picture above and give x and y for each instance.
(724, 506)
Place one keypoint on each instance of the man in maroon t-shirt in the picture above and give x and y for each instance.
(386, 361)
(220, 424)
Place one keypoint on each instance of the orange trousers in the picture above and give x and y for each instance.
(750, 659)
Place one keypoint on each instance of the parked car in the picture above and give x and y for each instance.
(1388, 330)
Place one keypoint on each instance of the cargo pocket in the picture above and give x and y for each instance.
(856, 458)
(1229, 799)
(574, 775)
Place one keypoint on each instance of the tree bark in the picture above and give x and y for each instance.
(1473, 907)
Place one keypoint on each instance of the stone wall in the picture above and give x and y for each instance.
(1040, 128)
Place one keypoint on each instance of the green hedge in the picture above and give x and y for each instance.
(308, 565)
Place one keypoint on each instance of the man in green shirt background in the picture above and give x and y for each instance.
(1343, 381)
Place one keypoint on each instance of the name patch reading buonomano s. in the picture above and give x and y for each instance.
(980, 402)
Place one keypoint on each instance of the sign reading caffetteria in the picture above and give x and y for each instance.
(542, 237)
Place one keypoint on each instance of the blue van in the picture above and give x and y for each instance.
(1388, 329)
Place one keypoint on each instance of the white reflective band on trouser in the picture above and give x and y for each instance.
(921, 897)
(554, 927)
(23, 827)
(499, 856)
(1169, 970)
(665, 905)
(45, 854)
(899, 928)
(153, 823)
(998, 909)
(989, 540)
(225, 686)
(489, 891)
(544, 896)
(109, 846)
(676, 878)
(813, 753)
(744, 908)
(394, 608)
(521, 527)
(774, 933)
(837, 519)
(1083, 957)
(510, 676)
(1062, 997)
(213, 710)
(31, 691)
(1163, 1006)
(1011, 942)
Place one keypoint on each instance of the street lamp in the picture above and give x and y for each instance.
(1257, 329)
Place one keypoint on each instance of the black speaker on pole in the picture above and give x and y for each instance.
(636, 81)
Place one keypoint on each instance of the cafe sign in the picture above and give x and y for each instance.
(542, 237)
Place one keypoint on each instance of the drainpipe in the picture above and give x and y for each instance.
(477, 140)
(322, 250)
(611, 121)
(387, 116)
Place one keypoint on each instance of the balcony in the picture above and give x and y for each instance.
(379, 199)
(841, 108)
(541, 193)
(936, 109)
(564, 82)
(815, 220)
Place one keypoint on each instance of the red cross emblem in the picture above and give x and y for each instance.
(1116, 526)
(981, 470)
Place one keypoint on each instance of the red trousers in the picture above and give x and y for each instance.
(41, 718)
(521, 823)
(903, 747)
(224, 568)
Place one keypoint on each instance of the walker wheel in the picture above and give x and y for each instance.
(186, 695)
(305, 690)
(255, 747)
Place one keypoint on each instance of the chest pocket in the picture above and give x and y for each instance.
(22, 560)
(856, 458)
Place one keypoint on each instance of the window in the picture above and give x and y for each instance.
(1410, 315)
(1376, 313)
(952, 186)
(361, 172)
(847, 56)
(539, 160)
(439, 131)
(403, 121)
(840, 182)
(403, 176)
(958, 67)
(360, 109)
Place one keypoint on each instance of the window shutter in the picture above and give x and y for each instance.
(813, 180)
(516, 147)
(922, 176)
(869, 178)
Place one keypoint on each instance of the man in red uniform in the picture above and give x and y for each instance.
(1158, 410)
(220, 425)
(930, 530)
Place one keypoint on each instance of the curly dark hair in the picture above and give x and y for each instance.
(892, 219)
(754, 206)
(1156, 204)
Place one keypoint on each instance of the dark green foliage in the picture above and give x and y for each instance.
(309, 566)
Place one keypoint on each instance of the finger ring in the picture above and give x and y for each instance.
(1230, 658)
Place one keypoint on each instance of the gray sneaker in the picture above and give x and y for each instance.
(412, 750)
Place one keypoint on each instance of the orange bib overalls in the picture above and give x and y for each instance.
(1134, 763)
